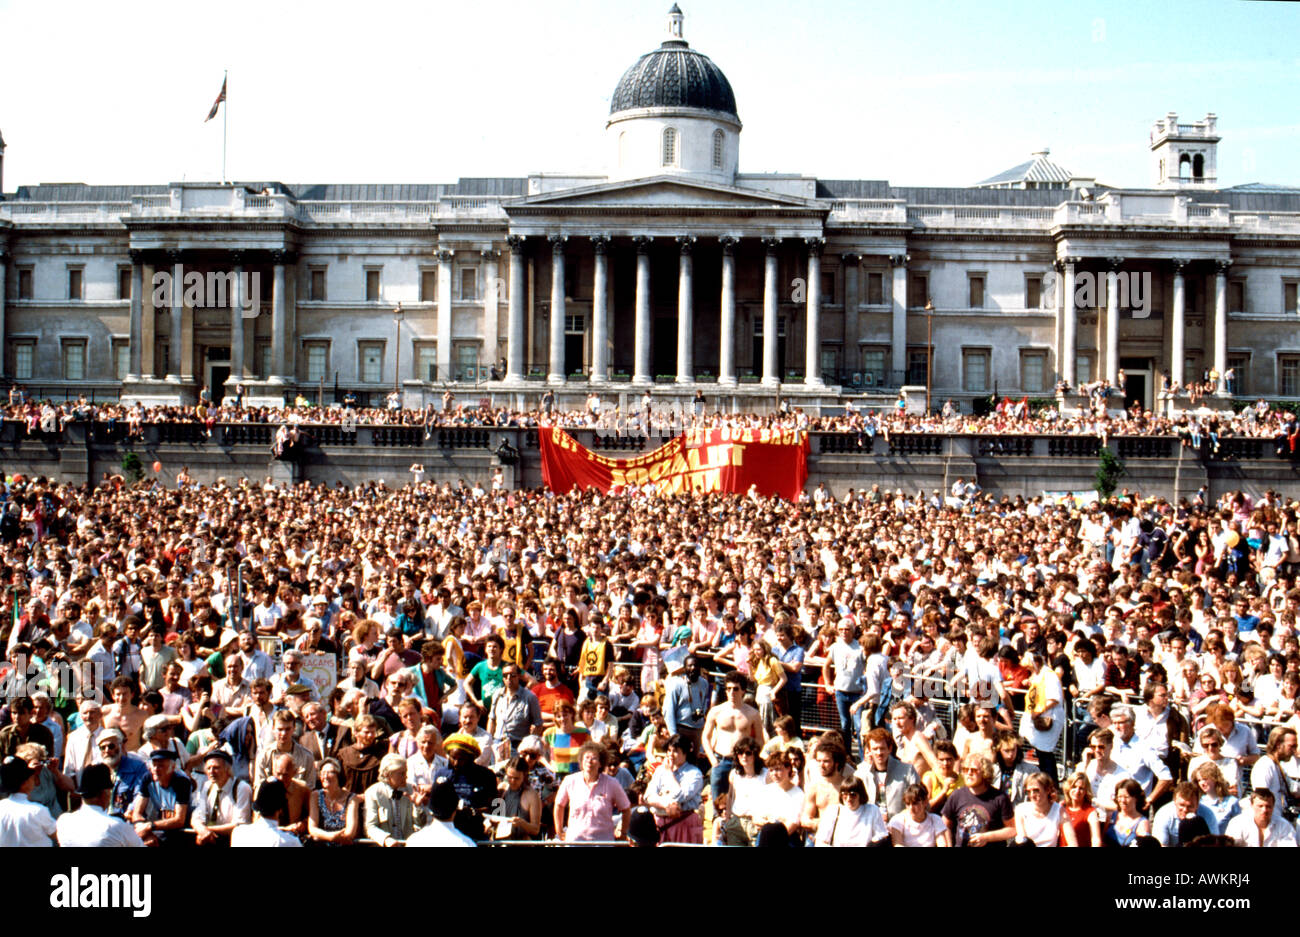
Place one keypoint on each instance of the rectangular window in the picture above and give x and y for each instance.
(830, 363)
(1238, 369)
(123, 282)
(372, 361)
(828, 288)
(575, 325)
(1237, 296)
(917, 366)
(317, 289)
(1289, 291)
(467, 363)
(1288, 370)
(780, 326)
(121, 358)
(1033, 372)
(975, 288)
(24, 360)
(372, 286)
(426, 361)
(1033, 292)
(873, 367)
(875, 289)
(975, 370)
(74, 359)
(918, 290)
(468, 283)
(74, 283)
(429, 286)
(24, 282)
(1082, 369)
(318, 361)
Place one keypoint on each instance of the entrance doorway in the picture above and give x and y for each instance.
(1138, 376)
(216, 368)
(574, 344)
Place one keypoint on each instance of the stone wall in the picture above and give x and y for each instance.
(1024, 465)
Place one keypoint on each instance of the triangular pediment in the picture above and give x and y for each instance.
(665, 192)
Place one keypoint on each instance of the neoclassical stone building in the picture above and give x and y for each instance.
(674, 269)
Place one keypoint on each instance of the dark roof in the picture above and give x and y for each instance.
(80, 192)
(674, 75)
(924, 195)
(853, 188)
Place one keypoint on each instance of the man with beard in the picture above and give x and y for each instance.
(824, 787)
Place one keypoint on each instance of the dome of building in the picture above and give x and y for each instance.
(676, 76)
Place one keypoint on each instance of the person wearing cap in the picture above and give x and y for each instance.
(444, 805)
(157, 735)
(162, 807)
(223, 803)
(476, 785)
(130, 771)
(22, 822)
(90, 825)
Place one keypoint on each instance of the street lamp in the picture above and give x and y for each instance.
(397, 358)
(929, 351)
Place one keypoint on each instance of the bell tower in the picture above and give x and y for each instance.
(1185, 154)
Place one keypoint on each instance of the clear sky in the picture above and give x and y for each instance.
(919, 93)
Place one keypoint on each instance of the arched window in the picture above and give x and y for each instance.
(1198, 166)
(717, 149)
(1184, 164)
(670, 147)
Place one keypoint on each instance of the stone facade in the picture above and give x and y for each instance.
(674, 270)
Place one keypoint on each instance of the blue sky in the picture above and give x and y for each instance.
(922, 93)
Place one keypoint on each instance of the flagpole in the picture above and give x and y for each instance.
(225, 122)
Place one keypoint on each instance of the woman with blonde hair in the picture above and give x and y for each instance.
(1216, 794)
(1079, 812)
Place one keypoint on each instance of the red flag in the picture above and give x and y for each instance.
(217, 103)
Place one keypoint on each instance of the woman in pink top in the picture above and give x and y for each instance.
(593, 797)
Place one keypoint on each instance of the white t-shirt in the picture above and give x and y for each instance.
(1043, 831)
(843, 827)
(777, 806)
(923, 833)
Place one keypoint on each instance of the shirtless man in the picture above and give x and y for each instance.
(824, 790)
(124, 713)
(724, 725)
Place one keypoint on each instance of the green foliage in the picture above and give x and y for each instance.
(132, 469)
(1109, 471)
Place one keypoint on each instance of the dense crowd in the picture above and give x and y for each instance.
(644, 415)
(254, 664)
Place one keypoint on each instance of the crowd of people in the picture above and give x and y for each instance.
(261, 664)
(645, 416)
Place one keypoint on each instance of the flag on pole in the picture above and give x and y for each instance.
(217, 103)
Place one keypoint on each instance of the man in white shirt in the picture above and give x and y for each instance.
(257, 664)
(80, 750)
(271, 802)
(91, 825)
(1262, 826)
(223, 803)
(22, 823)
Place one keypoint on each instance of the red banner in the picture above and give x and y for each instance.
(775, 462)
